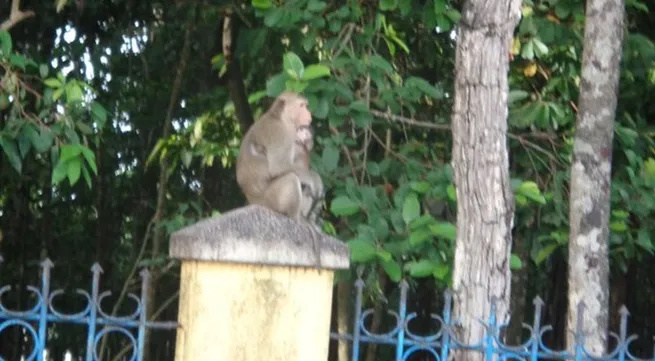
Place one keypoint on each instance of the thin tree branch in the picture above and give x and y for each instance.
(423, 124)
(16, 16)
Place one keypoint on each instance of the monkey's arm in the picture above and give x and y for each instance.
(279, 152)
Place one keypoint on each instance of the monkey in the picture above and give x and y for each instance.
(272, 166)
(312, 189)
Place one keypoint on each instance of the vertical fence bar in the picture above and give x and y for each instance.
(536, 327)
(402, 313)
(623, 333)
(445, 338)
(145, 284)
(489, 330)
(359, 289)
(579, 333)
(93, 312)
(46, 266)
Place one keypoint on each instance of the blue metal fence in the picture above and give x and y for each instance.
(35, 321)
(440, 344)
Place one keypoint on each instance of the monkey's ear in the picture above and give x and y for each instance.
(278, 107)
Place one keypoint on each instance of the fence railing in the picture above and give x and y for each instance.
(35, 320)
(441, 343)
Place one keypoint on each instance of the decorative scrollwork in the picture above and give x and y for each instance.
(442, 342)
(29, 328)
(98, 321)
(120, 330)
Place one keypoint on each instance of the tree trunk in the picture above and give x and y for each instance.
(590, 172)
(485, 203)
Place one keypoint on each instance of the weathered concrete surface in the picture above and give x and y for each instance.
(257, 235)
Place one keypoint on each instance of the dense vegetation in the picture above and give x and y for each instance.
(120, 121)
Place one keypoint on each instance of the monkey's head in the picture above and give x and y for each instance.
(293, 109)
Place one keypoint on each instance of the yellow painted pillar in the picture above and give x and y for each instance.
(255, 286)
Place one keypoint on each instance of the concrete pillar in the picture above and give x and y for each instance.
(255, 286)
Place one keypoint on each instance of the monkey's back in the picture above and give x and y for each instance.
(252, 172)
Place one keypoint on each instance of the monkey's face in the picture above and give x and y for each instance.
(299, 112)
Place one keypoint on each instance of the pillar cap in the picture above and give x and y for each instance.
(257, 235)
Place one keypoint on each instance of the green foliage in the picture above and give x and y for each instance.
(378, 77)
(35, 123)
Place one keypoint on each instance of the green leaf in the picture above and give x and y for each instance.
(90, 159)
(530, 190)
(69, 151)
(315, 71)
(8, 145)
(515, 262)
(359, 105)
(5, 43)
(544, 253)
(405, 7)
(421, 222)
(618, 226)
(262, 4)
(73, 92)
(411, 207)
(275, 85)
(330, 158)
(18, 60)
(74, 170)
(84, 128)
(59, 173)
(419, 237)
(381, 63)
(441, 271)
(451, 192)
(316, 6)
(24, 143)
(297, 86)
(517, 95)
(392, 269)
(388, 4)
(322, 108)
(361, 251)
(87, 177)
(42, 141)
(99, 114)
(540, 48)
(344, 206)
(527, 51)
(421, 187)
(425, 87)
(53, 83)
(422, 268)
(273, 17)
(454, 15)
(445, 230)
(293, 65)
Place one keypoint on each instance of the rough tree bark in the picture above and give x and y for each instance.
(590, 172)
(485, 203)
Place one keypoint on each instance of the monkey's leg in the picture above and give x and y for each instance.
(311, 195)
(283, 195)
